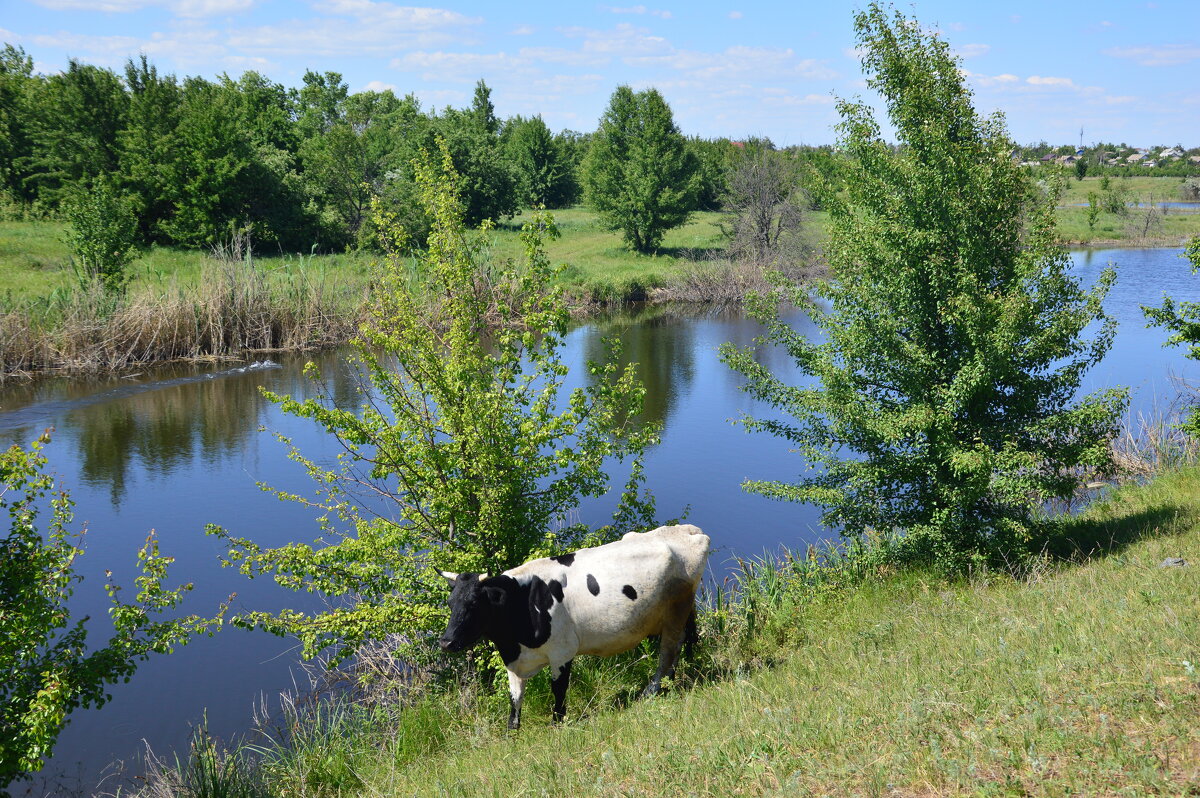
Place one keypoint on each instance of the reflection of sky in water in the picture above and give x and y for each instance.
(178, 447)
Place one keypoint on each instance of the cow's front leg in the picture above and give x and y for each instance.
(516, 693)
(558, 686)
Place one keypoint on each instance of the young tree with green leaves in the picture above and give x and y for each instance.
(1093, 211)
(102, 236)
(488, 178)
(464, 453)
(543, 162)
(639, 174)
(49, 672)
(76, 118)
(16, 82)
(944, 408)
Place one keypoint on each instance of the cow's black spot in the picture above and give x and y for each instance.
(556, 589)
(630, 592)
(593, 585)
(565, 559)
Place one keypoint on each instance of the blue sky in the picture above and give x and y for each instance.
(1123, 71)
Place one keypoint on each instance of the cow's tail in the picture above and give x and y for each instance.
(691, 635)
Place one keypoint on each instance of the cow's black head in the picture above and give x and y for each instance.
(474, 606)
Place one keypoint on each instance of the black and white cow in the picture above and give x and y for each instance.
(600, 601)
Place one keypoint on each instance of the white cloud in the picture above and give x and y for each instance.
(735, 14)
(208, 8)
(1160, 55)
(458, 65)
(807, 99)
(639, 10)
(392, 15)
(972, 50)
(186, 47)
(107, 6)
(379, 85)
(183, 8)
(622, 41)
(991, 80)
(522, 30)
(561, 55)
(737, 63)
(1038, 80)
(357, 27)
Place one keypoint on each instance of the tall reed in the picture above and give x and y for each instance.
(237, 306)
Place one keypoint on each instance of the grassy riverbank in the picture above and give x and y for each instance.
(34, 261)
(1162, 228)
(1081, 675)
(188, 304)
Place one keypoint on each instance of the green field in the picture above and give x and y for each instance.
(1162, 188)
(34, 260)
(599, 267)
(1078, 678)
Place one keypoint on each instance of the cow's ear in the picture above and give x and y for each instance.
(449, 576)
(496, 595)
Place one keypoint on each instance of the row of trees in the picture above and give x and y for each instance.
(298, 167)
(190, 161)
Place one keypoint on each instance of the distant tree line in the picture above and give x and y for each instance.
(195, 160)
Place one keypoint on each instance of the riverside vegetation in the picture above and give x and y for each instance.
(181, 303)
(1004, 650)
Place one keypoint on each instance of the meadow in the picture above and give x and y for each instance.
(1078, 673)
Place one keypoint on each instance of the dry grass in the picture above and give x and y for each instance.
(237, 307)
(1151, 442)
(721, 281)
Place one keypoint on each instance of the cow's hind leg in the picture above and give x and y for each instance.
(674, 632)
(558, 686)
(516, 694)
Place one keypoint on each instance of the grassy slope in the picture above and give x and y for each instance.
(1078, 680)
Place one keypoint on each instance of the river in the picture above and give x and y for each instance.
(175, 448)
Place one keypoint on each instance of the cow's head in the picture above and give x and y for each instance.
(474, 605)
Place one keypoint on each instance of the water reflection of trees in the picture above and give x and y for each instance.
(661, 344)
(158, 428)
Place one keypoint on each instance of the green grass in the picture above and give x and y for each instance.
(1162, 188)
(34, 260)
(1079, 678)
(601, 267)
(1173, 229)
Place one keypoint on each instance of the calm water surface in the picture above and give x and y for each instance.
(175, 449)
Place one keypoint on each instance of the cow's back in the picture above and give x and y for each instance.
(618, 594)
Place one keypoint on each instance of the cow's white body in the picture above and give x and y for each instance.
(664, 566)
